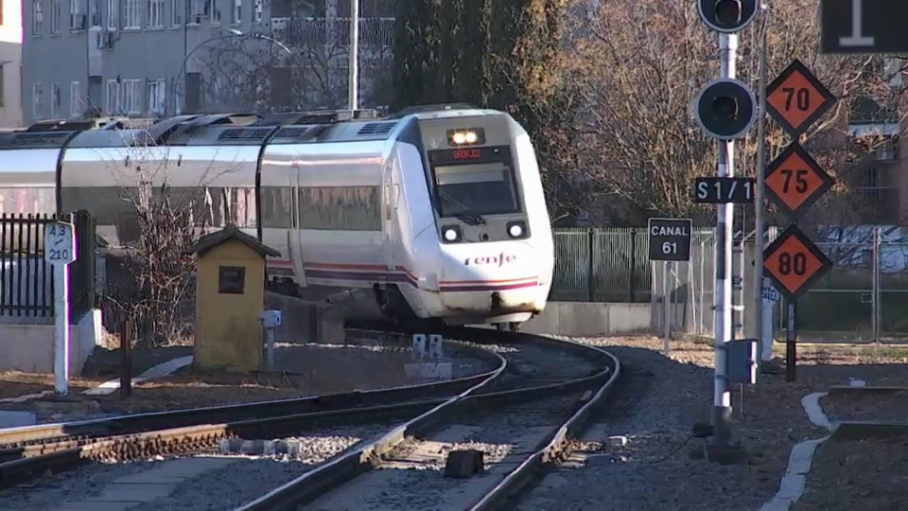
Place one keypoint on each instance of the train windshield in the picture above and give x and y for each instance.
(479, 189)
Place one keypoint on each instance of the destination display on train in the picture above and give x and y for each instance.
(469, 154)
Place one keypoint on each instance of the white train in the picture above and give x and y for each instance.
(437, 212)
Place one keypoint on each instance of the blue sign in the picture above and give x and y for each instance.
(770, 293)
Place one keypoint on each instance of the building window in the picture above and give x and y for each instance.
(75, 100)
(257, 11)
(56, 9)
(176, 13)
(76, 18)
(112, 99)
(37, 101)
(155, 14)
(113, 14)
(131, 102)
(236, 14)
(37, 18)
(94, 12)
(214, 10)
(157, 91)
(56, 99)
(131, 16)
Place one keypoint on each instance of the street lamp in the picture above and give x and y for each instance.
(230, 33)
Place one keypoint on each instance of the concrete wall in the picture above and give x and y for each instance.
(306, 321)
(591, 319)
(27, 344)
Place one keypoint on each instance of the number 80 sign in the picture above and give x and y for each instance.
(59, 243)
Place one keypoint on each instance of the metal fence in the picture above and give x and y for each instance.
(612, 265)
(864, 297)
(26, 280)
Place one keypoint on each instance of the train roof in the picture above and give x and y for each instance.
(226, 129)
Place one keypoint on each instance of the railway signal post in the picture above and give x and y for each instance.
(669, 241)
(794, 181)
(725, 109)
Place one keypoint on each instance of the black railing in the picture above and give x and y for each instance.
(26, 279)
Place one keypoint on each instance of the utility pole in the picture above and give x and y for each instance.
(353, 76)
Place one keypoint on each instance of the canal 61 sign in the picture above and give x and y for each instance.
(669, 239)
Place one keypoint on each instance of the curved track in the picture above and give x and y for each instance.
(570, 390)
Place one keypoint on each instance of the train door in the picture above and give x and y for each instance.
(294, 238)
(388, 217)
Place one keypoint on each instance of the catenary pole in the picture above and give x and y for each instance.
(763, 354)
(353, 76)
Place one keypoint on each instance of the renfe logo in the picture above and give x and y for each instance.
(498, 260)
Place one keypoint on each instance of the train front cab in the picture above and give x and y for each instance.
(492, 226)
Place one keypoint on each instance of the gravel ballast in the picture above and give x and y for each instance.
(411, 478)
(661, 399)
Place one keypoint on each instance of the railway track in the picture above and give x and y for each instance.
(30, 451)
(573, 379)
(569, 391)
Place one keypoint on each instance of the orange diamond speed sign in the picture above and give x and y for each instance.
(795, 180)
(794, 263)
(796, 99)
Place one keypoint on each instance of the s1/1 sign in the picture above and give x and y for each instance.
(59, 243)
(724, 190)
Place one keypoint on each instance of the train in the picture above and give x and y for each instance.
(435, 212)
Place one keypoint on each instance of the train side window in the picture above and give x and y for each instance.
(276, 207)
(351, 208)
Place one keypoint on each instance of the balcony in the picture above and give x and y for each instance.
(375, 34)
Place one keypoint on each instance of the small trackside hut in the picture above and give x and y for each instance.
(230, 297)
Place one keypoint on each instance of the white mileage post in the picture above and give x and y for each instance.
(60, 251)
(669, 241)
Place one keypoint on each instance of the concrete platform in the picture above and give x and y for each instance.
(146, 486)
(859, 430)
(856, 391)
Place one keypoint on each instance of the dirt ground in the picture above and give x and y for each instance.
(769, 420)
(301, 370)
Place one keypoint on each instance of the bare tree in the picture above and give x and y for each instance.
(643, 62)
(152, 281)
(257, 75)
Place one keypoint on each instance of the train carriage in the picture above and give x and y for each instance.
(435, 213)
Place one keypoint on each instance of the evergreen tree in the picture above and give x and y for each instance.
(416, 42)
(475, 73)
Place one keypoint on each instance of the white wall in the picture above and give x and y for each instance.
(10, 60)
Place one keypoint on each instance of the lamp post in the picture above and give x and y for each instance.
(230, 33)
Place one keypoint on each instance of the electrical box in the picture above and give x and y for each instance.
(739, 367)
(271, 319)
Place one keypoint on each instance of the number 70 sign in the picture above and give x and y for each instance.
(59, 243)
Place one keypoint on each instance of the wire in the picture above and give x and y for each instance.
(673, 451)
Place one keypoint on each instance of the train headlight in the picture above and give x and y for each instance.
(466, 136)
(451, 233)
(517, 229)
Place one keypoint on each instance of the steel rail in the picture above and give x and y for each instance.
(351, 464)
(555, 451)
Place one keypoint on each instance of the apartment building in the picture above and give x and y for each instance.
(153, 57)
(10, 60)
